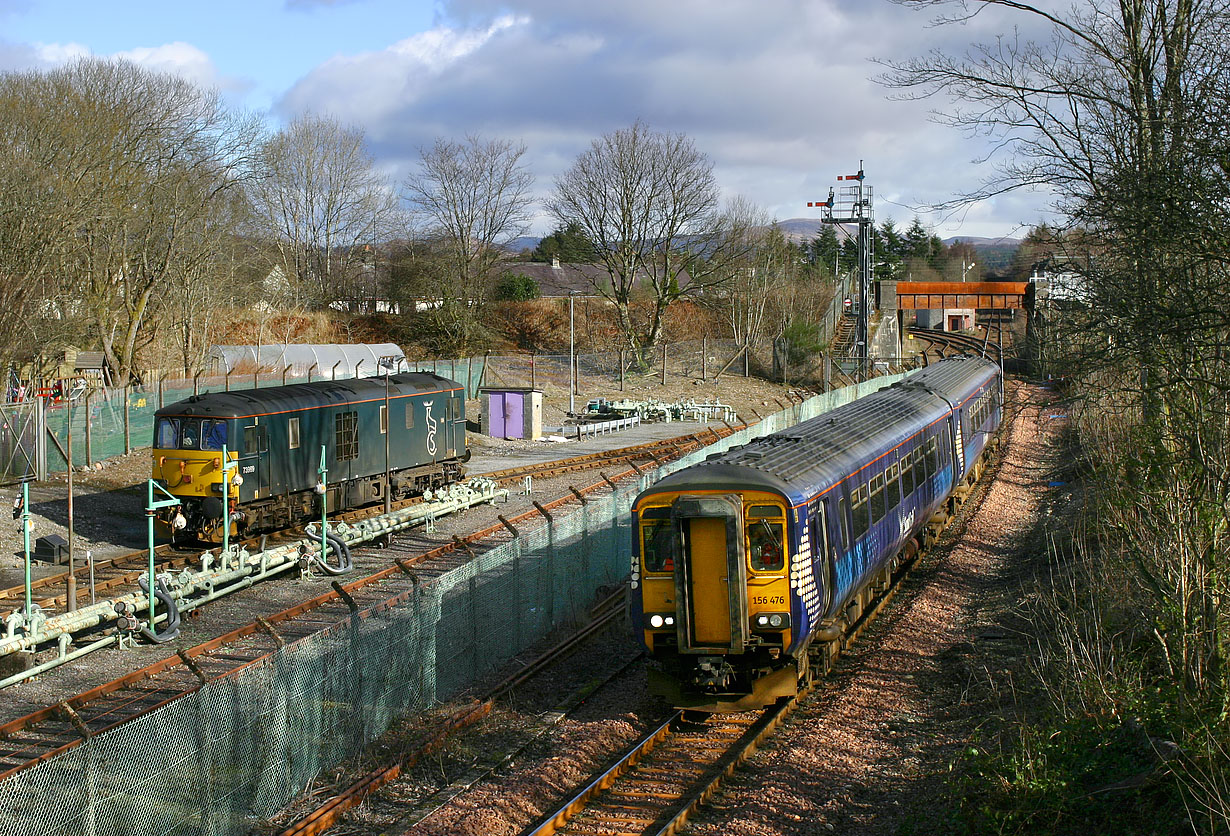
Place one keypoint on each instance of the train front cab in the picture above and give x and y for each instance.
(714, 572)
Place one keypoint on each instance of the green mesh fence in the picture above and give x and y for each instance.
(234, 752)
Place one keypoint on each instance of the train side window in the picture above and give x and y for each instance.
(346, 436)
(454, 409)
(255, 440)
(908, 473)
(877, 498)
(384, 419)
(858, 511)
(892, 490)
(844, 522)
(292, 433)
(933, 463)
(409, 415)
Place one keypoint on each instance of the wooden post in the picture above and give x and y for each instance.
(622, 366)
(704, 357)
(747, 349)
(663, 364)
(532, 372)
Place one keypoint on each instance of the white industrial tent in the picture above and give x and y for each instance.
(323, 361)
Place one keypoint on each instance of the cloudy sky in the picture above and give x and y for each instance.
(779, 93)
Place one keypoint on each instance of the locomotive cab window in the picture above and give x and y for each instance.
(656, 540)
(166, 436)
(766, 537)
(213, 434)
(454, 409)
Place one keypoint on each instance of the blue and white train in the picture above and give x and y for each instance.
(747, 561)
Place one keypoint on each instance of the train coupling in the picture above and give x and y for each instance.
(713, 673)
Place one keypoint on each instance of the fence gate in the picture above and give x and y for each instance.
(21, 441)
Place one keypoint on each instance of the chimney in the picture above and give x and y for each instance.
(555, 262)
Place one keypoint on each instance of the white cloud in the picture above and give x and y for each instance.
(780, 94)
(177, 58)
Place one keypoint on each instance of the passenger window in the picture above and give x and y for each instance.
(891, 489)
(765, 546)
(844, 523)
(858, 511)
(877, 498)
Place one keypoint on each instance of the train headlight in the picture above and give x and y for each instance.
(772, 621)
(660, 620)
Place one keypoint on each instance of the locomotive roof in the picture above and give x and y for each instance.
(296, 396)
(799, 461)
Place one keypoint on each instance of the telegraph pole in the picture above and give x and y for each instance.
(853, 206)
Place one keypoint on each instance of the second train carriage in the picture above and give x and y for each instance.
(742, 561)
(276, 436)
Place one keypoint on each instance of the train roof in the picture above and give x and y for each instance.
(802, 460)
(297, 396)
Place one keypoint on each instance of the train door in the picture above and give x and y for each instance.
(825, 551)
(254, 466)
(711, 576)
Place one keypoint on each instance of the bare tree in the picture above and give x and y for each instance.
(649, 202)
(149, 156)
(318, 199)
(468, 200)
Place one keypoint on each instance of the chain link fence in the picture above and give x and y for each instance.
(217, 761)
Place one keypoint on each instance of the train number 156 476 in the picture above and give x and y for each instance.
(768, 599)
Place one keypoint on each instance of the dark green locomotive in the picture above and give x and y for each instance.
(276, 435)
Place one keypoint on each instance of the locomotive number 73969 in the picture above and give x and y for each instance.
(768, 599)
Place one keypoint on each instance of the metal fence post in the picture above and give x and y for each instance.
(127, 427)
(89, 429)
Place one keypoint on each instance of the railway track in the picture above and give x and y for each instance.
(949, 343)
(117, 576)
(54, 729)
